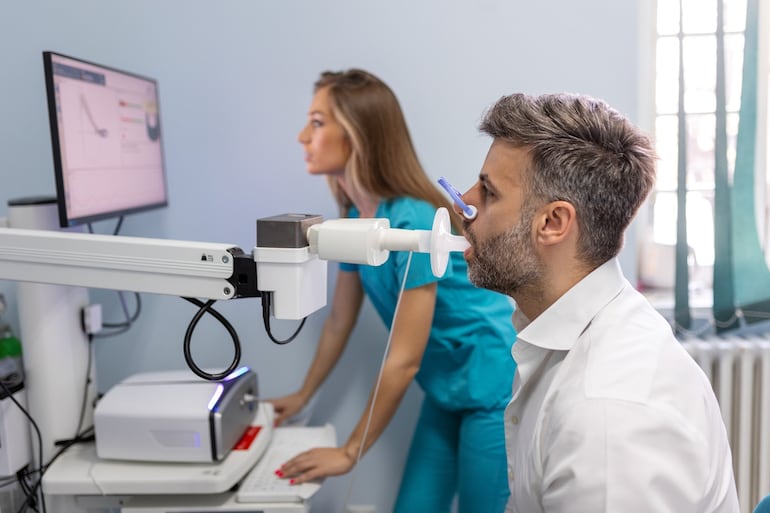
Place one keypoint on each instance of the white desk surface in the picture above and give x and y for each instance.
(223, 502)
(207, 504)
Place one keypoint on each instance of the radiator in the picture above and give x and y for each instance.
(739, 370)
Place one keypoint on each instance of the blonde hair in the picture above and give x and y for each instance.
(382, 160)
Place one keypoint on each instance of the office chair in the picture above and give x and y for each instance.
(763, 506)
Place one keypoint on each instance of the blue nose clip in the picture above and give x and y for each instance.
(469, 211)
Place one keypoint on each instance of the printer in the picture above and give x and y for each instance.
(175, 416)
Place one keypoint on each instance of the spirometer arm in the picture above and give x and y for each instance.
(346, 304)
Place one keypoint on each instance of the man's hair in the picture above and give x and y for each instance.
(584, 152)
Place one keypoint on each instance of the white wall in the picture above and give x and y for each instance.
(235, 80)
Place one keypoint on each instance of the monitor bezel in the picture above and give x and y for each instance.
(65, 221)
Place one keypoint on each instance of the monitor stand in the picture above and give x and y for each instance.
(55, 350)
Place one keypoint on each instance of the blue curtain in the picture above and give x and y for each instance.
(741, 277)
(724, 311)
(750, 272)
(682, 317)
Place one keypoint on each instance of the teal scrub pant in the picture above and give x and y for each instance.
(458, 453)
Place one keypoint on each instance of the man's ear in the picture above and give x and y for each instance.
(556, 222)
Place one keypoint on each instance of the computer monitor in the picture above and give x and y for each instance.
(106, 138)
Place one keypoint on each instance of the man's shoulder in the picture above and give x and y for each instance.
(629, 353)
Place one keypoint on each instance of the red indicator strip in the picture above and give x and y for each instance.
(248, 437)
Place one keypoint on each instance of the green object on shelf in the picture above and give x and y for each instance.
(9, 344)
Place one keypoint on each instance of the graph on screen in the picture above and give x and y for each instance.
(106, 134)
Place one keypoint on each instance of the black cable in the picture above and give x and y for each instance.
(6, 480)
(21, 477)
(121, 327)
(86, 435)
(115, 231)
(266, 302)
(39, 484)
(118, 225)
(124, 326)
(87, 382)
(204, 308)
(64, 444)
(129, 319)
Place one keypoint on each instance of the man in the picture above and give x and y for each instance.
(609, 413)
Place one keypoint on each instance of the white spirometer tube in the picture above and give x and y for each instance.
(369, 241)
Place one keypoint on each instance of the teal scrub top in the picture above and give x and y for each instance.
(467, 361)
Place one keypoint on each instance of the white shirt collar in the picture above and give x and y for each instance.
(560, 325)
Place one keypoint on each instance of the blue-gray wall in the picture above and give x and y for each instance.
(236, 80)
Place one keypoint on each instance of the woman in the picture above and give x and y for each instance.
(453, 338)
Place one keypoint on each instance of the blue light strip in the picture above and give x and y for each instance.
(215, 398)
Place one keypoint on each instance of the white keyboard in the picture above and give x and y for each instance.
(262, 485)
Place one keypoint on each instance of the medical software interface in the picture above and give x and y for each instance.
(108, 125)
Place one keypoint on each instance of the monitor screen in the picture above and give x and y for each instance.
(106, 137)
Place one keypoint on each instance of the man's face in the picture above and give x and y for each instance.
(502, 256)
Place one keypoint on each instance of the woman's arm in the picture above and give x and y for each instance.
(346, 303)
(409, 337)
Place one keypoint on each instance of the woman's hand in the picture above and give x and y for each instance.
(315, 464)
(287, 406)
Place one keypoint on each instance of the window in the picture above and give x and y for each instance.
(697, 34)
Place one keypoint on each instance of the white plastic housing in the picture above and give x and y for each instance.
(181, 268)
(355, 241)
(369, 241)
(174, 416)
(296, 277)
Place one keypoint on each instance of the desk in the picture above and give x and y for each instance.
(79, 481)
(224, 503)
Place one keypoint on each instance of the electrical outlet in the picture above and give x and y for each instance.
(92, 319)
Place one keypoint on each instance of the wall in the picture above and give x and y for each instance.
(235, 80)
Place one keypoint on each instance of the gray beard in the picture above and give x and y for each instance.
(505, 263)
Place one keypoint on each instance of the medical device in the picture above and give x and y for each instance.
(288, 264)
(469, 211)
(175, 416)
(105, 122)
(369, 241)
(80, 471)
(287, 261)
(106, 140)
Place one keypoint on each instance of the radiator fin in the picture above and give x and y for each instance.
(738, 368)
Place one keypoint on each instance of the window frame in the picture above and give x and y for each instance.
(648, 119)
